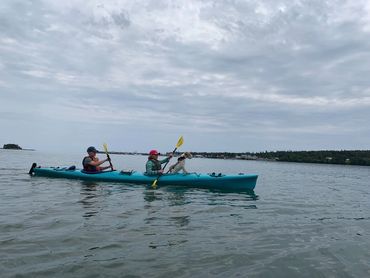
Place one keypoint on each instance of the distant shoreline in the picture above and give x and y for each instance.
(13, 146)
(17, 149)
(343, 157)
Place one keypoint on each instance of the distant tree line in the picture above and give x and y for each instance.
(354, 157)
(12, 147)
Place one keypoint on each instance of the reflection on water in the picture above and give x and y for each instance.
(249, 193)
(180, 196)
(89, 199)
(170, 199)
(180, 221)
(308, 221)
(151, 195)
(245, 199)
(169, 206)
(176, 196)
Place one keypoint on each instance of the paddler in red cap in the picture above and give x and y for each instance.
(153, 165)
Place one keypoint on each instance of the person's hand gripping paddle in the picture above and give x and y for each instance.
(178, 145)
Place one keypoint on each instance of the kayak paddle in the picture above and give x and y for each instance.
(106, 152)
(178, 145)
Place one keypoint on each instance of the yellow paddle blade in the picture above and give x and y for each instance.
(180, 142)
(154, 184)
(105, 147)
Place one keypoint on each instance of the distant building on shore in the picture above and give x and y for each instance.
(246, 157)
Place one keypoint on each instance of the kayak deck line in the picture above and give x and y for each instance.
(198, 180)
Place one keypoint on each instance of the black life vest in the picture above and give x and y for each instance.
(88, 167)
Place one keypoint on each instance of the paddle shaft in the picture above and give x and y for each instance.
(106, 152)
(156, 180)
(110, 163)
(168, 160)
(179, 143)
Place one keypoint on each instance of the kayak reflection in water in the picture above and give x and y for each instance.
(91, 163)
(153, 165)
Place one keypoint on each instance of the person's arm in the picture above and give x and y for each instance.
(166, 159)
(97, 163)
(105, 167)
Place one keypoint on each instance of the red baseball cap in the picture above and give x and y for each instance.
(154, 152)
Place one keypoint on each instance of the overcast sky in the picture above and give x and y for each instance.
(227, 75)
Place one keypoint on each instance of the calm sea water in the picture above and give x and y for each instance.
(303, 220)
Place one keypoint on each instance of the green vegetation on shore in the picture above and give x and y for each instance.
(11, 147)
(348, 157)
(353, 157)
(14, 147)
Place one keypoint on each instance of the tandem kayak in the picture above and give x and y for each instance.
(210, 181)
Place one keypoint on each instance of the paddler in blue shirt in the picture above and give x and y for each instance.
(91, 163)
(153, 165)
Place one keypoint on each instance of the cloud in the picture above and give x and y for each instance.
(293, 71)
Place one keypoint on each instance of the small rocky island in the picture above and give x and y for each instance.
(12, 147)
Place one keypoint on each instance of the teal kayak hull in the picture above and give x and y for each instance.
(211, 181)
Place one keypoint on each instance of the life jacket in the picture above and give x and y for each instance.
(88, 167)
(156, 165)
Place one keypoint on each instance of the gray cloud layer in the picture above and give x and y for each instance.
(228, 75)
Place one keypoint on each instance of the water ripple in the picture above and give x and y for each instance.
(302, 221)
